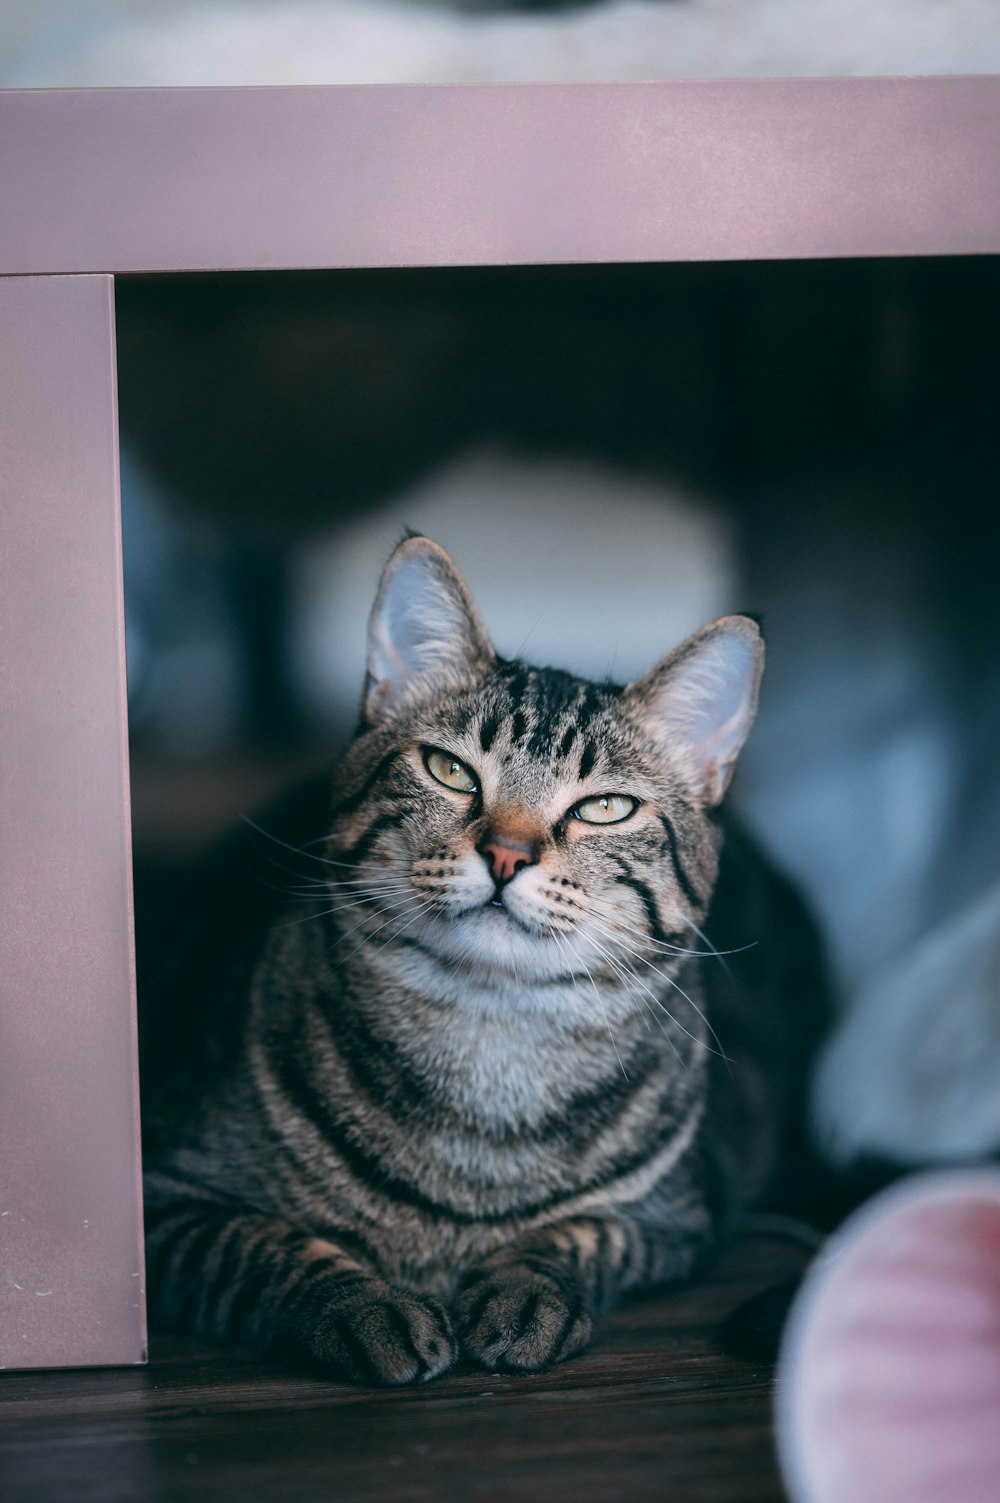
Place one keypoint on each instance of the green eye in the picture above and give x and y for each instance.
(446, 769)
(606, 809)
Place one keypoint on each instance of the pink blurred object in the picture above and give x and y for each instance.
(889, 1375)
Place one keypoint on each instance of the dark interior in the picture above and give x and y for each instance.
(841, 414)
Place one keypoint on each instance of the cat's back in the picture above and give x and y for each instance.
(768, 999)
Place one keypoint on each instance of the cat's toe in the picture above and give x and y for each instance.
(386, 1336)
(520, 1321)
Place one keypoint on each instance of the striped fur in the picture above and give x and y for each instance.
(421, 1114)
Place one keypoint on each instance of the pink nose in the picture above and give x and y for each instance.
(506, 859)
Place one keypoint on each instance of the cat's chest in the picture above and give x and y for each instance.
(505, 1086)
(501, 1074)
(402, 1109)
(507, 1118)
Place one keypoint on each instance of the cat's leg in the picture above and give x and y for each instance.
(242, 1277)
(531, 1303)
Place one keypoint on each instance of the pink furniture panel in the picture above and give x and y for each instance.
(105, 181)
(187, 179)
(70, 1225)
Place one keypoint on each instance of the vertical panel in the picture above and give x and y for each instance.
(70, 1222)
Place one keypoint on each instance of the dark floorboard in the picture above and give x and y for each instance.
(654, 1410)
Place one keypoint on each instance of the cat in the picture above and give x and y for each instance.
(494, 1078)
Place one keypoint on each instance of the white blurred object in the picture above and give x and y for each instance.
(913, 1072)
(850, 775)
(551, 550)
(150, 42)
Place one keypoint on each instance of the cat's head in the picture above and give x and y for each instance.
(519, 822)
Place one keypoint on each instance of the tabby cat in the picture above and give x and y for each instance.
(493, 1077)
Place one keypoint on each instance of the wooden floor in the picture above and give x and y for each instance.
(654, 1411)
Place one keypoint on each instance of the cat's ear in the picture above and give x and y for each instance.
(700, 702)
(424, 629)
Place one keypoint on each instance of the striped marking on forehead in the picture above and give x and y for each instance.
(546, 713)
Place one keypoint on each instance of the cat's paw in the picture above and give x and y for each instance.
(518, 1320)
(380, 1334)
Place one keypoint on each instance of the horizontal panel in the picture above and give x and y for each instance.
(120, 180)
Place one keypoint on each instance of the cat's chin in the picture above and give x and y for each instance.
(491, 939)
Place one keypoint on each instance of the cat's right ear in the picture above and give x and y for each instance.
(699, 703)
(424, 630)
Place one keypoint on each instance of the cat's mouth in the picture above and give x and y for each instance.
(488, 940)
(497, 904)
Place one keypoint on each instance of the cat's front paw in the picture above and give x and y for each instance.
(515, 1319)
(380, 1334)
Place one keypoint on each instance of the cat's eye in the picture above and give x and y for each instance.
(606, 809)
(446, 769)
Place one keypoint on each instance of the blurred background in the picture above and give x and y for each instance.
(46, 43)
(614, 455)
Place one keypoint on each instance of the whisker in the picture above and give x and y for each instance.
(373, 879)
(355, 889)
(382, 908)
(528, 633)
(626, 974)
(362, 900)
(368, 937)
(646, 1013)
(338, 900)
(719, 953)
(720, 1051)
(402, 928)
(657, 944)
(298, 850)
(600, 1003)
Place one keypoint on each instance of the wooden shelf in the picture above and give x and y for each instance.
(654, 1411)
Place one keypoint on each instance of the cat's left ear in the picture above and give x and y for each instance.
(424, 633)
(700, 701)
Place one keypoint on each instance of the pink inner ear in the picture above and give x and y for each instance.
(890, 1373)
